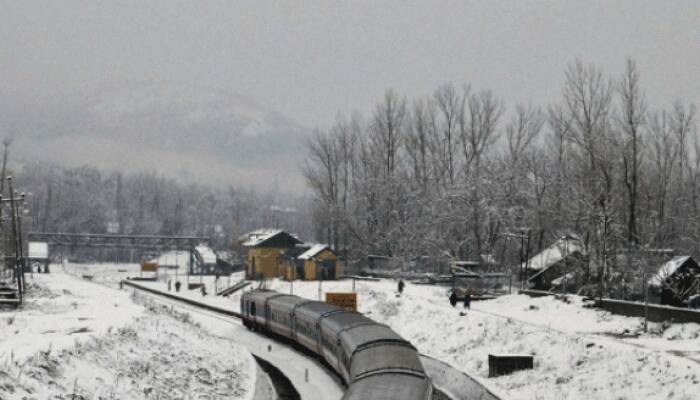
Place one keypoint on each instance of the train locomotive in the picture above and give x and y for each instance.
(374, 361)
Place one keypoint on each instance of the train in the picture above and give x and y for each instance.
(373, 360)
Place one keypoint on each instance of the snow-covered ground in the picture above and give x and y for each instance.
(293, 364)
(568, 364)
(74, 337)
(579, 352)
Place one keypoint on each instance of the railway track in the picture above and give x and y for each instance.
(459, 386)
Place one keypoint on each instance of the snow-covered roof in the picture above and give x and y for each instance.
(38, 250)
(258, 236)
(313, 251)
(179, 258)
(560, 280)
(555, 253)
(207, 254)
(667, 269)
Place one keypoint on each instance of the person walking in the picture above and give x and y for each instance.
(467, 300)
(169, 284)
(453, 298)
(401, 286)
(177, 286)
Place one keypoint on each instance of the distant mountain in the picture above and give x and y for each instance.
(194, 134)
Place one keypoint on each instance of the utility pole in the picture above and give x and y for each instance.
(646, 297)
(566, 261)
(19, 271)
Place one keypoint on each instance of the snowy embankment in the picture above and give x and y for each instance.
(73, 337)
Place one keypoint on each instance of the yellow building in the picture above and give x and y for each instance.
(317, 262)
(265, 251)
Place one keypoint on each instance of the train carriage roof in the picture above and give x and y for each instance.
(357, 336)
(340, 321)
(287, 302)
(261, 295)
(389, 387)
(384, 356)
(315, 309)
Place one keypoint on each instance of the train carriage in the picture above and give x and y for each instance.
(254, 307)
(376, 363)
(306, 323)
(281, 312)
(375, 347)
(390, 386)
(331, 326)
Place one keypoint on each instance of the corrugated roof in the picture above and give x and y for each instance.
(313, 251)
(555, 253)
(667, 270)
(258, 236)
(207, 254)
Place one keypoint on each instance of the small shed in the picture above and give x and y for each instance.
(677, 280)
(320, 263)
(38, 256)
(561, 263)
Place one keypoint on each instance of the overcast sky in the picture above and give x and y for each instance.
(310, 59)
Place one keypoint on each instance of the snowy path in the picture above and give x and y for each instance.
(321, 384)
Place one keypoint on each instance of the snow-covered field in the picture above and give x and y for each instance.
(579, 352)
(74, 337)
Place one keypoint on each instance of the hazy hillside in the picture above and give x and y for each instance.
(191, 133)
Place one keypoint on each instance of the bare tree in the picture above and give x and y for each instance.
(631, 119)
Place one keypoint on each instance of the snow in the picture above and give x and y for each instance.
(38, 250)
(579, 352)
(575, 355)
(82, 339)
(667, 270)
(554, 253)
(179, 258)
(207, 254)
(315, 249)
(320, 383)
(60, 309)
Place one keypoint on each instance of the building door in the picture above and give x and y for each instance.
(327, 270)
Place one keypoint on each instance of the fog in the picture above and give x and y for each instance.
(309, 60)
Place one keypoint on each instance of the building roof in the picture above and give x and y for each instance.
(295, 251)
(207, 254)
(668, 269)
(313, 251)
(260, 236)
(38, 250)
(555, 253)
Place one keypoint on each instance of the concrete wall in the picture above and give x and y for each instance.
(657, 313)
